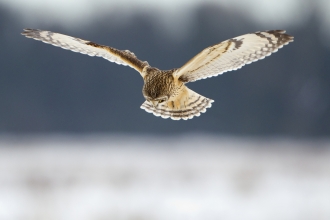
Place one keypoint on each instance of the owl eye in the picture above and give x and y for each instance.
(162, 100)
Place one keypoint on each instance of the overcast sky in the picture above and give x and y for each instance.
(174, 13)
(262, 10)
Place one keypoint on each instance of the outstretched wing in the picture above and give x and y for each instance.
(232, 54)
(123, 57)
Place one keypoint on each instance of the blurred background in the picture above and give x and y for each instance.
(74, 143)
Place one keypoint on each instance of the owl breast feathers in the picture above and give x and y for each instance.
(166, 92)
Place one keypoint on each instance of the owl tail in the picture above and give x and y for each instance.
(186, 106)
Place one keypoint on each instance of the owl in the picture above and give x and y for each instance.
(165, 91)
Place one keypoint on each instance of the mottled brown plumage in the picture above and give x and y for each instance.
(165, 91)
(158, 83)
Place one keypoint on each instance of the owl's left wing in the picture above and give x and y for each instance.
(232, 54)
(123, 57)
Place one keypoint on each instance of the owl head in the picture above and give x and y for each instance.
(157, 85)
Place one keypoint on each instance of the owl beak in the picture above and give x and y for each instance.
(154, 103)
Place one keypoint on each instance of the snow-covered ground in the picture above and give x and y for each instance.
(163, 178)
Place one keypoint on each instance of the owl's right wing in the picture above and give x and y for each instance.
(123, 57)
(232, 54)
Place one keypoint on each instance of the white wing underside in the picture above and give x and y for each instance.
(232, 54)
(125, 58)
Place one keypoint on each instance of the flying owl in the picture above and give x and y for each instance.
(165, 91)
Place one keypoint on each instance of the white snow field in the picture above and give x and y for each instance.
(193, 177)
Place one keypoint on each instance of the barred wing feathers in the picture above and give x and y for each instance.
(232, 54)
(123, 57)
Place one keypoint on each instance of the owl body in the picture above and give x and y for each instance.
(166, 92)
(168, 96)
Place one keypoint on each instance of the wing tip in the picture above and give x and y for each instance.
(282, 36)
(30, 32)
